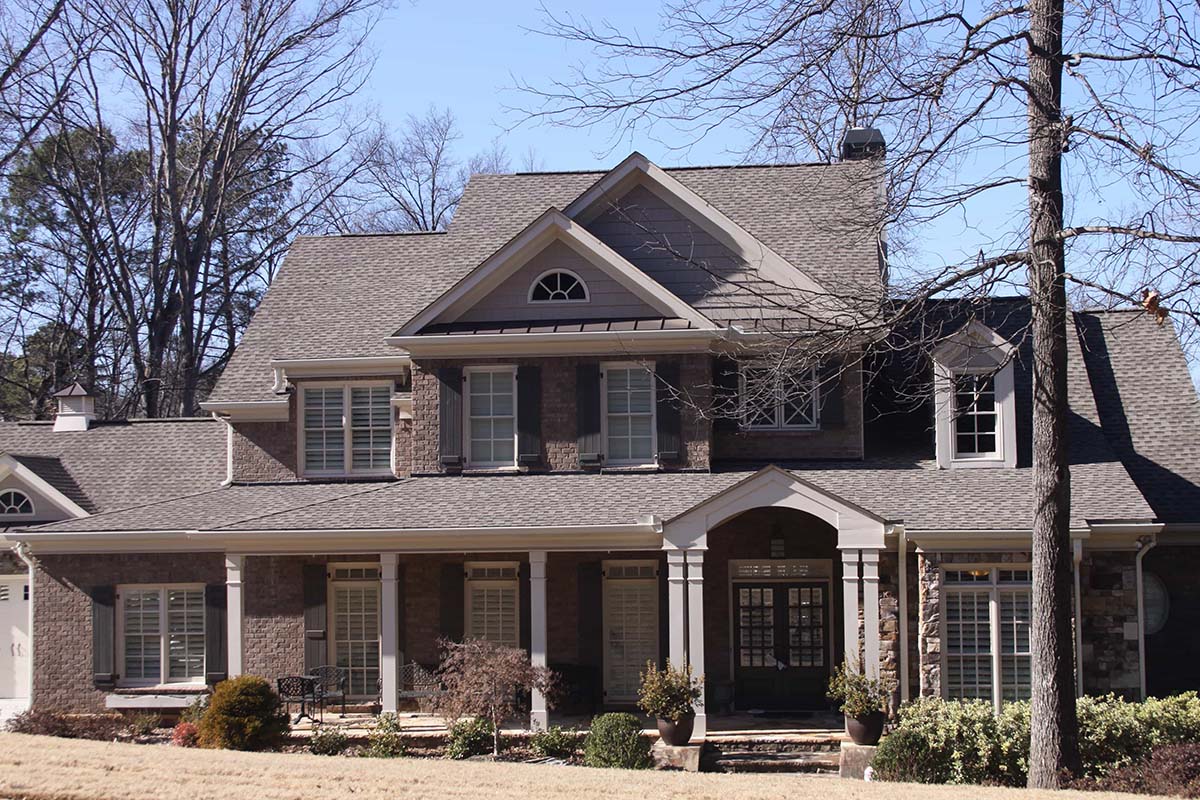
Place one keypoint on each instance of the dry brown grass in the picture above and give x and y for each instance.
(57, 769)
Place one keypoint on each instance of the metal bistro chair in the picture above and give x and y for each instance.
(332, 685)
(301, 689)
(418, 683)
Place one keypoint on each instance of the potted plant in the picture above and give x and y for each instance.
(669, 695)
(864, 702)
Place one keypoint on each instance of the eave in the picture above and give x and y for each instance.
(559, 343)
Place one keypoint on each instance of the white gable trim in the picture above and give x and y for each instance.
(10, 466)
(551, 226)
(776, 488)
(637, 169)
(971, 342)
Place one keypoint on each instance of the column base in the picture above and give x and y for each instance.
(700, 729)
(539, 720)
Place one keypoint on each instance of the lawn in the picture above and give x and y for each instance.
(46, 768)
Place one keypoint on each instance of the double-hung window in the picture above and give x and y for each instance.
(987, 616)
(492, 607)
(976, 416)
(347, 428)
(778, 399)
(628, 394)
(161, 634)
(491, 410)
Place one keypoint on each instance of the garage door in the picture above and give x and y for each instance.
(14, 636)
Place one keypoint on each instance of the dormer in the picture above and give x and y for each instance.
(975, 399)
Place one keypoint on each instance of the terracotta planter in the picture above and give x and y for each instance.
(866, 729)
(679, 733)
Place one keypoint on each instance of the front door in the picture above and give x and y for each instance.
(781, 644)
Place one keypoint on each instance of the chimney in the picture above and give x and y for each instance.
(76, 409)
(860, 143)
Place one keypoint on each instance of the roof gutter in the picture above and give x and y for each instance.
(565, 342)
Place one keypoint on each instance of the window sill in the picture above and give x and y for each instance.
(619, 469)
(991, 462)
(483, 470)
(183, 687)
(168, 698)
(779, 431)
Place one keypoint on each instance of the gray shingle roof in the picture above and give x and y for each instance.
(121, 464)
(1147, 406)
(340, 296)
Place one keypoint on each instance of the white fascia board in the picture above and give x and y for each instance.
(10, 466)
(973, 338)
(551, 226)
(564, 343)
(639, 169)
(249, 410)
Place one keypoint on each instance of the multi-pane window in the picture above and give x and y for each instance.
(775, 399)
(976, 416)
(987, 616)
(558, 286)
(356, 633)
(629, 414)
(491, 417)
(492, 603)
(347, 428)
(14, 502)
(162, 634)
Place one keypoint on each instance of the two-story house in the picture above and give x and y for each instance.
(558, 426)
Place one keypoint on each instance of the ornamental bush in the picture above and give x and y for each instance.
(327, 741)
(616, 740)
(243, 714)
(185, 734)
(669, 693)
(386, 740)
(1171, 770)
(554, 742)
(472, 737)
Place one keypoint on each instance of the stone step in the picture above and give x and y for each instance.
(824, 744)
(822, 763)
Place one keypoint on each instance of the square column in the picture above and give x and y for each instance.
(870, 569)
(389, 632)
(539, 715)
(676, 607)
(850, 609)
(235, 607)
(695, 615)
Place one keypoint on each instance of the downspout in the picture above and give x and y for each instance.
(228, 450)
(1145, 545)
(1077, 552)
(22, 551)
(902, 548)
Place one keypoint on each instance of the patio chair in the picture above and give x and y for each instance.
(300, 689)
(332, 685)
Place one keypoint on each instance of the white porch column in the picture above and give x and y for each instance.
(539, 716)
(676, 593)
(389, 632)
(235, 607)
(850, 608)
(695, 615)
(870, 559)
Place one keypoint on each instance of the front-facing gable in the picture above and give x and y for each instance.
(498, 289)
(45, 483)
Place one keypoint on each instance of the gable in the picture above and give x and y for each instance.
(49, 501)
(607, 298)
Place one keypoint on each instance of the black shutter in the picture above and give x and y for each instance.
(664, 614)
(316, 618)
(104, 636)
(452, 609)
(590, 585)
(450, 416)
(524, 606)
(725, 394)
(216, 655)
(666, 409)
(587, 411)
(831, 394)
(529, 415)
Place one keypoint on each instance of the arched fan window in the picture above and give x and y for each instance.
(14, 502)
(558, 286)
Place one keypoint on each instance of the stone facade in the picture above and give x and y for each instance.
(889, 623)
(1108, 590)
(62, 608)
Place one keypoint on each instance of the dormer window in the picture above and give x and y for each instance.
(558, 286)
(346, 429)
(975, 399)
(14, 503)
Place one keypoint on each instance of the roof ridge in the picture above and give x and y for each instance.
(680, 168)
(379, 486)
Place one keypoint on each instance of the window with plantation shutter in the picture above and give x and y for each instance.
(346, 429)
(987, 617)
(493, 603)
(162, 634)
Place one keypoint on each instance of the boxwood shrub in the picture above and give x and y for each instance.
(616, 740)
(243, 714)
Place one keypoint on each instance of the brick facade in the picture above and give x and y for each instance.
(62, 608)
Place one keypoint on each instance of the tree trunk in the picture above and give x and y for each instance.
(1054, 727)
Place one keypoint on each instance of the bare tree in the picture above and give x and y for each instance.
(977, 103)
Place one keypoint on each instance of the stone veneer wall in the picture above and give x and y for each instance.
(560, 451)
(1108, 589)
(889, 622)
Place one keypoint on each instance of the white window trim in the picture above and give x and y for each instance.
(778, 424)
(468, 461)
(119, 650)
(643, 365)
(18, 514)
(331, 585)
(994, 589)
(587, 293)
(468, 580)
(1006, 419)
(347, 431)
